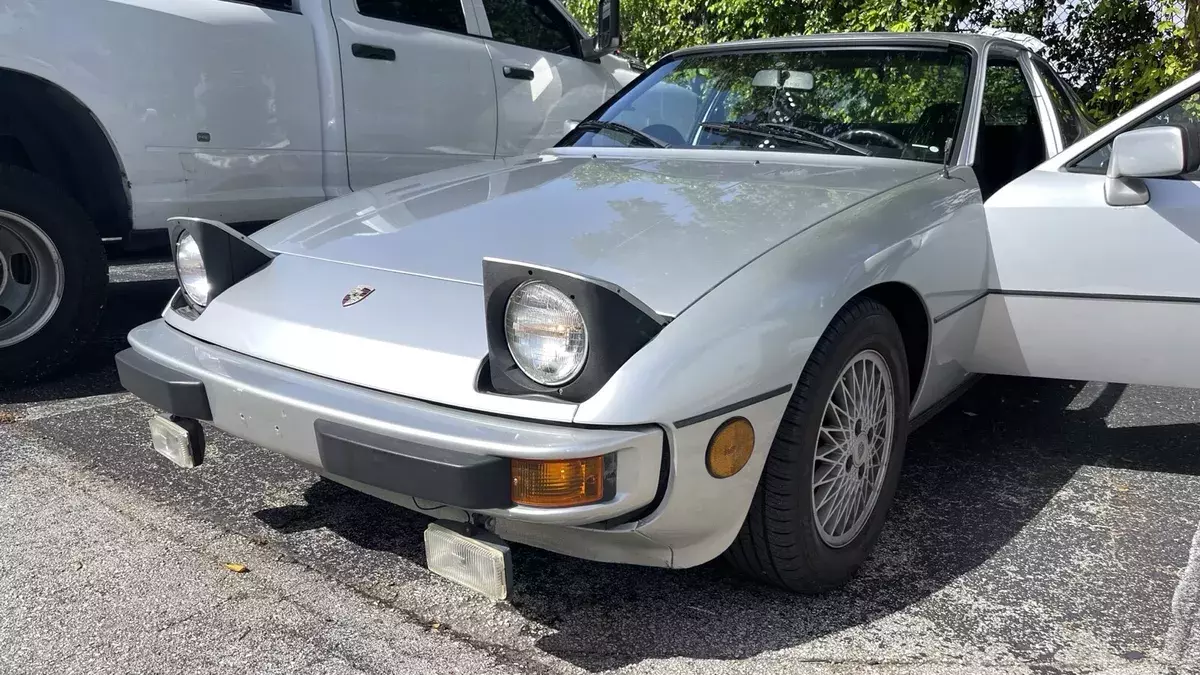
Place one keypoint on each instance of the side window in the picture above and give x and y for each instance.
(530, 23)
(1010, 133)
(1068, 121)
(1186, 111)
(444, 15)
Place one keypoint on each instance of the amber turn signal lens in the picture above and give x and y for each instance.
(730, 448)
(557, 482)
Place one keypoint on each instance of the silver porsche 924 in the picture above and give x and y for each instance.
(706, 321)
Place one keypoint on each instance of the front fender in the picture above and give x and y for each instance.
(754, 332)
(752, 335)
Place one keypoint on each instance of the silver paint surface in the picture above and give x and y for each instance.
(753, 254)
(662, 225)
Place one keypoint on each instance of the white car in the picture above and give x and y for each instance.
(117, 114)
(676, 336)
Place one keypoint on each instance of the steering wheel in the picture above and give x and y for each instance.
(872, 135)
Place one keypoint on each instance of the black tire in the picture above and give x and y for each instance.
(779, 542)
(85, 268)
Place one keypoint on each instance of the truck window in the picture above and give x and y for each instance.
(530, 23)
(444, 15)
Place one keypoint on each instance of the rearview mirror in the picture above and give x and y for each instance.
(788, 79)
(1154, 152)
(608, 30)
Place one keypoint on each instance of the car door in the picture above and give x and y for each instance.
(417, 87)
(1083, 289)
(540, 78)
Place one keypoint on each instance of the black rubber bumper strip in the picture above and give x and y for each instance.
(448, 477)
(162, 387)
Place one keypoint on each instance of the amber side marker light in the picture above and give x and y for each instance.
(557, 482)
(730, 448)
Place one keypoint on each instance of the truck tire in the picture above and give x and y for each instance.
(53, 277)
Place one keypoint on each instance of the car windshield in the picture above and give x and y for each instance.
(887, 102)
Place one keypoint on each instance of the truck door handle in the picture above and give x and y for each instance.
(372, 52)
(518, 73)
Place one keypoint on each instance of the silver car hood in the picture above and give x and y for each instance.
(665, 227)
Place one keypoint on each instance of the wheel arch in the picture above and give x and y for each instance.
(916, 325)
(46, 129)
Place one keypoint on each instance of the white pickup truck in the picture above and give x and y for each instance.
(117, 114)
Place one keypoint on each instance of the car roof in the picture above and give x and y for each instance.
(975, 41)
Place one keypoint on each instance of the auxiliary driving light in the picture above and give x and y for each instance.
(481, 565)
(730, 448)
(557, 482)
(178, 439)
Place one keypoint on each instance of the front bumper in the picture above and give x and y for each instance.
(417, 454)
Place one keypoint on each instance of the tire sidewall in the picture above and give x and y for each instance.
(878, 332)
(85, 278)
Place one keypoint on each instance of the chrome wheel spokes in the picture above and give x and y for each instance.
(854, 445)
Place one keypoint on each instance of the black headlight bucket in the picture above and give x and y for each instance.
(228, 255)
(618, 326)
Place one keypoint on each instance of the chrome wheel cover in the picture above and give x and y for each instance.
(854, 445)
(32, 279)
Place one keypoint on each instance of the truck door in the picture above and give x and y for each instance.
(417, 85)
(541, 79)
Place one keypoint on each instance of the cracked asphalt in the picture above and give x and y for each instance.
(1041, 527)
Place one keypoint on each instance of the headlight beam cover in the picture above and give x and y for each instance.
(617, 326)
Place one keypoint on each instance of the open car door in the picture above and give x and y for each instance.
(1095, 255)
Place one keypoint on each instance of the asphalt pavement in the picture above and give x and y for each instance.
(1041, 527)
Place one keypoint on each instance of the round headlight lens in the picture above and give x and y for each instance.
(546, 333)
(190, 267)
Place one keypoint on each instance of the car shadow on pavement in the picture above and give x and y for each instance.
(973, 478)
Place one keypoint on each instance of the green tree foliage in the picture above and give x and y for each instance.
(1116, 52)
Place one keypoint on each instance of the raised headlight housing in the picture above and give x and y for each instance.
(546, 333)
(189, 265)
(209, 258)
(556, 333)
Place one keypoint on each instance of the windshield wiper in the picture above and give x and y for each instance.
(822, 137)
(784, 131)
(596, 125)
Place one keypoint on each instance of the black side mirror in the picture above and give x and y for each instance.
(608, 30)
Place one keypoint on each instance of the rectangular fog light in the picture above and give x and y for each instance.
(483, 566)
(178, 439)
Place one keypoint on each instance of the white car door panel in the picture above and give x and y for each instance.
(541, 83)
(419, 91)
(1080, 289)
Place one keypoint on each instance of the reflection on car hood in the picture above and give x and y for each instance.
(665, 227)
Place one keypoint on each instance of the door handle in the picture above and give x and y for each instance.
(518, 73)
(372, 52)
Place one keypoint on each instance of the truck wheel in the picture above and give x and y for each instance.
(832, 471)
(53, 277)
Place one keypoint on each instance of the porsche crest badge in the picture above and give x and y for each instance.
(357, 295)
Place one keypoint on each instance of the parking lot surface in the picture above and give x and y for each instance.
(1041, 527)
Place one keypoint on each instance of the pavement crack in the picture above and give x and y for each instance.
(1185, 605)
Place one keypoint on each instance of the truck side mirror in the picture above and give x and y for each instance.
(608, 30)
(1154, 152)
